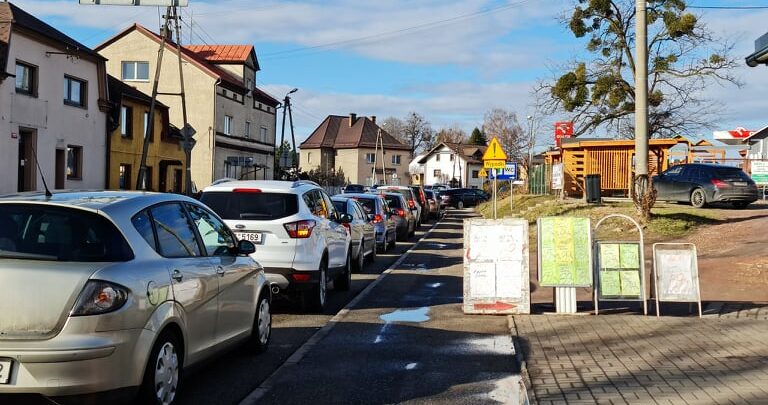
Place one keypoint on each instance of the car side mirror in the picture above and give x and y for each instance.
(245, 247)
(344, 218)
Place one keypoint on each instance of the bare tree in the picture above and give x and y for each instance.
(417, 133)
(453, 134)
(505, 126)
(395, 127)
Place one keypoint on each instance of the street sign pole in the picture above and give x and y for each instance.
(495, 197)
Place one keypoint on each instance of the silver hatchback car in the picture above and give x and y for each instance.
(120, 291)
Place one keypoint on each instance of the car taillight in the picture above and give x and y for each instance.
(99, 297)
(377, 218)
(400, 212)
(411, 204)
(301, 277)
(349, 229)
(719, 183)
(300, 229)
(247, 190)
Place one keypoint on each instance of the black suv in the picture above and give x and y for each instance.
(700, 184)
(462, 197)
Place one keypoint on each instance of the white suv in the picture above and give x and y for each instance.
(299, 237)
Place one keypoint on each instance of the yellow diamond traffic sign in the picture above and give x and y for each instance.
(494, 164)
(495, 152)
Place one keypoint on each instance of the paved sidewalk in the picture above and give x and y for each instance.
(632, 359)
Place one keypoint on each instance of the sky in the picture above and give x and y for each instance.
(450, 61)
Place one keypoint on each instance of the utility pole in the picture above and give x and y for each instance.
(641, 105)
(289, 111)
(379, 140)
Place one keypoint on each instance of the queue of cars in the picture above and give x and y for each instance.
(141, 286)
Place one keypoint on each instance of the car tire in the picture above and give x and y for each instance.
(372, 256)
(460, 205)
(698, 198)
(391, 244)
(344, 280)
(261, 331)
(413, 231)
(162, 376)
(315, 298)
(740, 204)
(360, 260)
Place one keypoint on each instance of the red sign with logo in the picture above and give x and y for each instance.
(563, 129)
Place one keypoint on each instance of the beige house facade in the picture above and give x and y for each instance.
(349, 143)
(53, 107)
(235, 122)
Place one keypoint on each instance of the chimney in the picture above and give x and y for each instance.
(373, 119)
(352, 119)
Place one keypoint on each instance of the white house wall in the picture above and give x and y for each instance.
(451, 169)
(57, 125)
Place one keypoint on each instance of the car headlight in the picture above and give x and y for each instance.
(99, 297)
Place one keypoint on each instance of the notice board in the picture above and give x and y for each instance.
(677, 272)
(619, 271)
(496, 276)
(565, 252)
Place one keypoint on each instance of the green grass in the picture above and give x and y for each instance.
(667, 223)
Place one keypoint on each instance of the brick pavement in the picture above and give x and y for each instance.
(632, 359)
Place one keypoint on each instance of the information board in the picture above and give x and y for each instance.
(619, 271)
(565, 253)
(759, 172)
(496, 276)
(677, 273)
(558, 176)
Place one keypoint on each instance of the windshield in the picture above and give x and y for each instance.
(42, 232)
(251, 206)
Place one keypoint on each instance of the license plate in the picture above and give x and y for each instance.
(254, 237)
(5, 371)
(740, 183)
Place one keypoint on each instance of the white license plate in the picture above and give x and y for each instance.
(254, 237)
(740, 183)
(5, 371)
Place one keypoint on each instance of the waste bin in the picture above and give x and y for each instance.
(593, 188)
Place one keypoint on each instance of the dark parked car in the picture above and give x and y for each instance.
(462, 197)
(405, 218)
(360, 229)
(422, 197)
(433, 201)
(379, 214)
(700, 184)
(354, 188)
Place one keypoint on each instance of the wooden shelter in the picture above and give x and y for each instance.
(612, 159)
(701, 151)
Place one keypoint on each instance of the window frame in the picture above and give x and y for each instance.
(397, 160)
(228, 121)
(370, 158)
(263, 134)
(136, 77)
(190, 223)
(77, 169)
(126, 122)
(248, 129)
(33, 79)
(83, 102)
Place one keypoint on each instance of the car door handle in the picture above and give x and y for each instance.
(176, 275)
(220, 271)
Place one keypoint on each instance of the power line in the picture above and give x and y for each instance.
(401, 31)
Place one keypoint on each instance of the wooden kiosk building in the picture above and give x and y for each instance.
(612, 159)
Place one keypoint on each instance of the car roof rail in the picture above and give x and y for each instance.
(222, 180)
(298, 183)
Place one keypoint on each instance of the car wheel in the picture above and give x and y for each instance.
(344, 280)
(163, 373)
(460, 205)
(391, 244)
(360, 259)
(314, 298)
(262, 325)
(740, 204)
(372, 256)
(698, 198)
(413, 231)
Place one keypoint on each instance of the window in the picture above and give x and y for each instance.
(247, 129)
(126, 122)
(175, 235)
(309, 157)
(136, 71)
(475, 174)
(249, 84)
(263, 134)
(437, 172)
(143, 225)
(218, 241)
(437, 157)
(264, 206)
(228, 124)
(74, 162)
(315, 203)
(370, 158)
(74, 91)
(396, 159)
(146, 127)
(26, 79)
(125, 177)
(451, 157)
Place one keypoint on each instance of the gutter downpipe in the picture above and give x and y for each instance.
(212, 144)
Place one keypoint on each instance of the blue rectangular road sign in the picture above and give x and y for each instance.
(507, 173)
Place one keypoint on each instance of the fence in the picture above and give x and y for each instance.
(539, 179)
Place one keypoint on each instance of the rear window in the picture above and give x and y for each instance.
(728, 173)
(393, 201)
(369, 204)
(340, 206)
(41, 232)
(251, 206)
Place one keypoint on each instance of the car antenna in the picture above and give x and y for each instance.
(42, 176)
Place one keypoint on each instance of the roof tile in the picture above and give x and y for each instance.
(335, 132)
(222, 53)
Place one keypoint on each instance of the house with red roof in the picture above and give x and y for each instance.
(53, 107)
(349, 143)
(235, 122)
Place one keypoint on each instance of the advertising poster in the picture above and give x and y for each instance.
(677, 275)
(496, 276)
(565, 253)
(619, 271)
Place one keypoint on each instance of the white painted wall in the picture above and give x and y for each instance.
(449, 169)
(57, 124)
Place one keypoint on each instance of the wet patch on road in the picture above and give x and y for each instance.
(417, 315)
